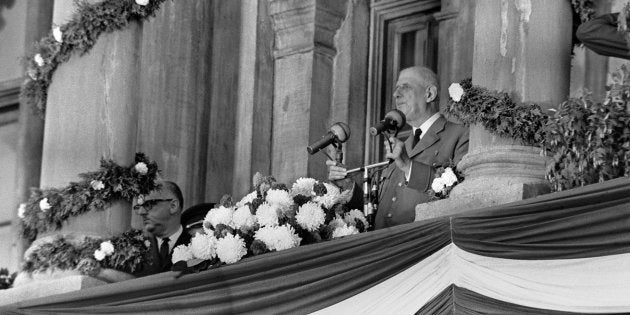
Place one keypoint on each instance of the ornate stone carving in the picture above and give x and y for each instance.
(304, 25)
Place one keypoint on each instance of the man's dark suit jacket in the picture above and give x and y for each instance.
(443, 142)
(155, 264)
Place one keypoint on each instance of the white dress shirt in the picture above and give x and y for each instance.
(172, 239)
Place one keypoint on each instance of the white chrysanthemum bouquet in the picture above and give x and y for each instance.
(271, 218)
(445, 179)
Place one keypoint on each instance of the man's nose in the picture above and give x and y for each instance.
(142, 211)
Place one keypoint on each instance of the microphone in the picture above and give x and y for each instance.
(339, 132)
(394, 120)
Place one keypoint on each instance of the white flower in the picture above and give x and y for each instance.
(303, 186)
(267, 215)
(107, 248)
(344, 231)
(243, 218)
(57, 34)
(140, 199)
(21, 210)
(278, 237)
(331, 197)
(350, 217)
(280, 199)
(310, 216)
(456, 92)
(449, 177)
(141, 168)
(147, 243)
(142, 2)
(247, 199)
(44, 205)
(345, 196)
(97, 184)
(207, 228)
(203, 246)
(99, 255)
(220, 215)
(438, 185)
(181, 253)
(231, 248)
(39, 60)
(337, 222)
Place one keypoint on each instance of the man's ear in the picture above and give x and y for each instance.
(431, 93)
(174, 207)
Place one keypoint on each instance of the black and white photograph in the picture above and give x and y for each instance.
(315, 157)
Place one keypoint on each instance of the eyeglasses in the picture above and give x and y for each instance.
(148, 204)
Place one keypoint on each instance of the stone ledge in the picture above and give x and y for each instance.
(463, 198)
(41, 288)
(40, 284)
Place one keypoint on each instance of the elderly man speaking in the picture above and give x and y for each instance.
(434, 143)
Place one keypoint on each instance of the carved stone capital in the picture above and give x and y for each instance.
(306, 25)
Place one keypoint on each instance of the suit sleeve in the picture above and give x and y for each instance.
(601, 36)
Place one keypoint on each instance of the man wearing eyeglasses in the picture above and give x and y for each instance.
(161, 212)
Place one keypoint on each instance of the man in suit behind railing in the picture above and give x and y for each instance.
(435, 142)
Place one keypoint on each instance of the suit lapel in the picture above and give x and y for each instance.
(431, 137)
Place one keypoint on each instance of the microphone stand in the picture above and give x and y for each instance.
(368, 206)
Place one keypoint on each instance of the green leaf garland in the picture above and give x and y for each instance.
(130, 253)
(79, 35)
(587, 141)
(48, 209)
(499, 114)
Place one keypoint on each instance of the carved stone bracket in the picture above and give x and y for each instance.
(306, 25)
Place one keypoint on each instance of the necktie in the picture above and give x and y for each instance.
(164, 249)
(416, 136)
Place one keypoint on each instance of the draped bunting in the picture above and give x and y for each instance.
(555, 254)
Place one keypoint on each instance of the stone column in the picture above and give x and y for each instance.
(175, 86)
(91, 113)
(595, 65)
(31, 134)
(521, 47)
(304, 52)
(350, 79)
(456, 42)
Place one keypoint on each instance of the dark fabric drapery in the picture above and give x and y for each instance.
(456, 300)
(601, 36)
(585, 222)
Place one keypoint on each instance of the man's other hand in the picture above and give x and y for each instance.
(398, 154)
(336, 171)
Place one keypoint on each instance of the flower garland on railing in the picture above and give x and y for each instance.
(48, 209)
(271, 218)
(126, 253)
(77, 36)
(587, 141)
(497, 112)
